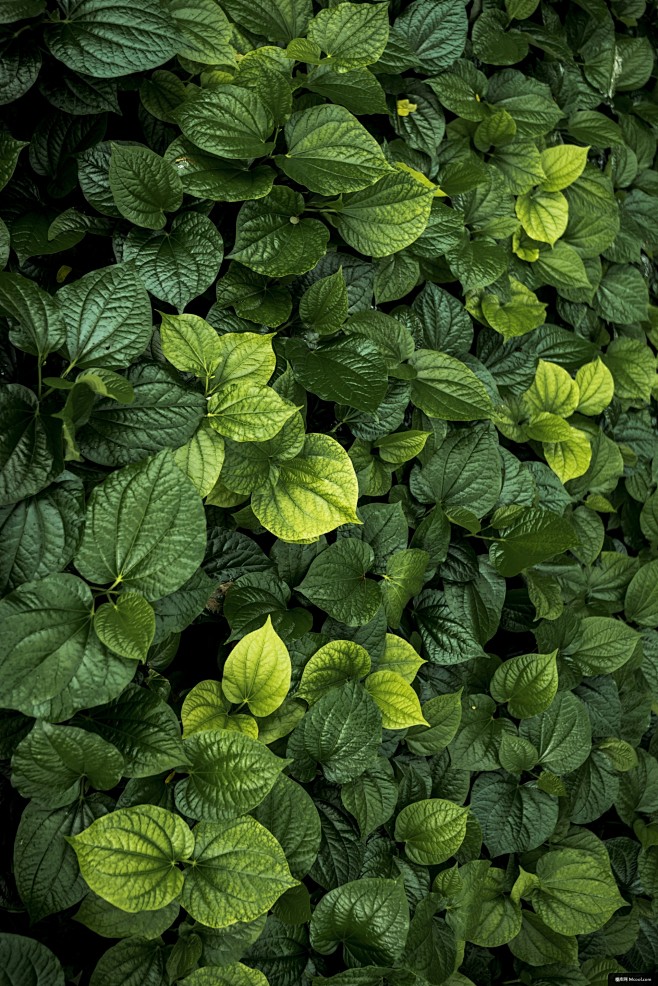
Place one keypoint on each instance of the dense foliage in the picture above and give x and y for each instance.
(330, 600)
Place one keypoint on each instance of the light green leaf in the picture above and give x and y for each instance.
(332, 664)
(271, 238)
(385, 217)
(206, 708)
(596, 387)
(127, 626)
(520, 313)
(552, 390)
(446, 388)
(336, 582)
(351, 34)
(570, 457)
(330, 152)
(257, 671)
(145, 529)
(246, 356)
(129, 856)
(316, 492)
(543, 215)
(180, 264)
(201, 459)
(234, 974)
(190, 344)
(401, 657)
(240, 871)
(144, 186)
(248, 413)
(228, 121)
(103, 38)
(577, 893)
(528, 683)
(432, 830)
(370, 917)
(562, 165)
(229, 774)
(397, 701)
(51, 764)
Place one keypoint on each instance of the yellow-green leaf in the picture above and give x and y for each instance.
(570, 458)
(597, 387)
(543, 215)
(397, 701)
(552, 390)
(562, 165)
(257, 671)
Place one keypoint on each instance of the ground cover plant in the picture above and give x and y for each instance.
(329, 492)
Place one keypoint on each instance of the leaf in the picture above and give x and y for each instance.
(403, 579)
(179, 265)
(248, 413)
(52, 762)
(107, 316)
(528, 683)
(641, 600)
(229, 774)
(143, 728)
(332, 664)
(372, 797)
(336, 581)
(432, 830)
(144, 186)
(341, 732)
(40, 329)
(543, 215)
(351, 371)
(205, 708)
(315, 492)
(21, 955)
(68, 669)
(577, 892)
(351, 34)
(191, 344)
(596, 387)
(562, 733)
(433, 33)
(240, 871)
(324, 304)
(127, 627)
(271, 239)
(129, 856)
(204, 29)
(9, 153)
(45, 867)
(385, 217)
(145, 529)
(445, 388)
(228, 121)
(289, 813)
(257, 671)
(330, 152)
(562, 165)
(514, 817)
(102, 38)
(234, 974)
(397, 701)
(370, 917)
(534, 535)
(206, 176)
(111, 922)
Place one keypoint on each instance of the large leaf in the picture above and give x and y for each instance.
(369, 917)
(145, 529)
(239, 872)
(257, 671)
(103, 38)
(386, 216)
(129, 856)
(432, 830)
